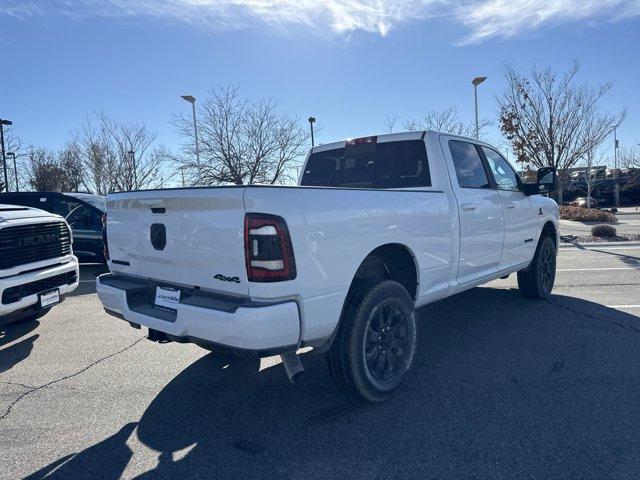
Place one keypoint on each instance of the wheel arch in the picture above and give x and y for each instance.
(391, 261)
(549, 229)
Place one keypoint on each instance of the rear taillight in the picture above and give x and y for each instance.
(268, 249)
(105, 249)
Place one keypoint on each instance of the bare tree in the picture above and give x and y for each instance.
(116, 156)
(44, 172)
(390, 123)
(411, 125)
(591, 179)
(13, 144)
(446, 121)
(630, 163)
(73, 169)
(552, 121)
(241, 141)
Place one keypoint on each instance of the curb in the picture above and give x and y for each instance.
(599, 244)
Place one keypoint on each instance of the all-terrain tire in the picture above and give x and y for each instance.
(375, 345)
(536, 281)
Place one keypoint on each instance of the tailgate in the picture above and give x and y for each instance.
(192, 237)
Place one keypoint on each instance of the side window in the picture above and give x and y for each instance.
(84, 217)
(65, 206)
(506, 177)
(468, 164)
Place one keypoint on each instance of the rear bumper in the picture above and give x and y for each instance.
(42, 276)
(231, 323)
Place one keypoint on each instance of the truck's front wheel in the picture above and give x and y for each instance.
(537, 280)
(374, 349)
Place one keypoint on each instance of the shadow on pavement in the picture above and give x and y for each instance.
(14, 354)
(91, 463)
(631, 260)
(502, 387)
(628, 259)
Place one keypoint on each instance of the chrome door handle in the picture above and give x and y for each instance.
(468, 206)
(510, 205)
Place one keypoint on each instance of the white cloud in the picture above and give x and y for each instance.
(481, 19)
(323, 16)
(509, 18)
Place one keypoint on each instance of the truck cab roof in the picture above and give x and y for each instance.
(391, 137)
(44, 199)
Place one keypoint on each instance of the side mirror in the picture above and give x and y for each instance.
(547, 179)
(546, 182)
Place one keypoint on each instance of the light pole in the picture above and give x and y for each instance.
(4, 158)
(477, 81)
(616, 186)
(192, 100)
(132, 156)
(312, 120)
(15, 169)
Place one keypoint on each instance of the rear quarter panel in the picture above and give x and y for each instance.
(334, 229)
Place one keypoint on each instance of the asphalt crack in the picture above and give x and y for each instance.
(625, 326)
(17, 384)
(62, 379)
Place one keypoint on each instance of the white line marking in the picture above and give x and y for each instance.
(623, 306)
(595, 269)
(595, 247)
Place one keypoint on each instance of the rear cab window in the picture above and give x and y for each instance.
(399, 164)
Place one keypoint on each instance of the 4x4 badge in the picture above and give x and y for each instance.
(226, 279)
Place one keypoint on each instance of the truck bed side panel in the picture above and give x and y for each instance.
(333, 230)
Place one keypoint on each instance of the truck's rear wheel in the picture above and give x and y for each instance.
(537, 280)
(374, 349)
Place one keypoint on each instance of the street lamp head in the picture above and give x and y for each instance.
(189, 98)
(478, 80)
(6, 122)
(11, 154)
(312, 119)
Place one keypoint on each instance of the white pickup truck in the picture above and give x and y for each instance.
(37, 265)
(377, 227)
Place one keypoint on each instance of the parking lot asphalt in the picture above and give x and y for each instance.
(502, 387)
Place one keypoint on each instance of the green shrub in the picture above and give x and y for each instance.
(581, 214)
(604, 231)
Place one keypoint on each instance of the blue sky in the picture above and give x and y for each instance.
(350, 63)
